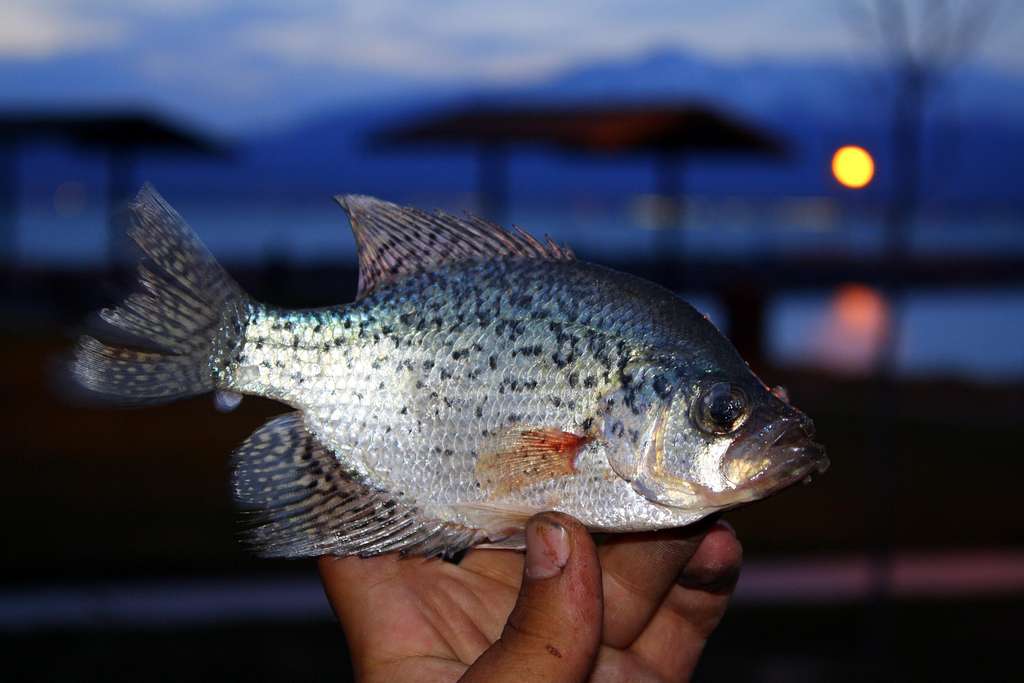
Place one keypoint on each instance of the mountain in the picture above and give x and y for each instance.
(973, 135)
(770, 87)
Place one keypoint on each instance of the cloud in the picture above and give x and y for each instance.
(37, 30)
(447, 39)
(460, 39)
(529, 39)
(261, 56)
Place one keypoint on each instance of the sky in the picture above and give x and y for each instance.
(240, 65)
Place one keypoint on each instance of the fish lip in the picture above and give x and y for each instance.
(803, 461)
(789, 446)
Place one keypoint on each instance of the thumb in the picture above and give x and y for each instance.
(554, 630)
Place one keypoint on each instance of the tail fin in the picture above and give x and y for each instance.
(190, 312)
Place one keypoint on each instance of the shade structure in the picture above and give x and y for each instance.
(121, 136)
(667, 131)
(125, 130)
(620, 129)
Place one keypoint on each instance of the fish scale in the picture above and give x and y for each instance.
(480, 376)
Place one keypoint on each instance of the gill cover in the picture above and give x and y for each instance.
(634, 422)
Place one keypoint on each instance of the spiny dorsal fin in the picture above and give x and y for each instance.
(303, 502)
(396, 242)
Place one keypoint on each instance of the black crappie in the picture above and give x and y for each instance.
(479, 377)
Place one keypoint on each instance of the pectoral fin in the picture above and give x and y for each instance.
(525, 457)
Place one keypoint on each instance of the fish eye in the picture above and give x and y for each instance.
(721, 408)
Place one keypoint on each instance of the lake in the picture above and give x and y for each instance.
(976, 334)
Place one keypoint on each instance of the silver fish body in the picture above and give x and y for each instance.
(480, 377)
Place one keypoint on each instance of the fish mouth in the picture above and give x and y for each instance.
(780, 455)
(802, 466)
(773, 454)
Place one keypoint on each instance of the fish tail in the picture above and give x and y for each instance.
(189, 316)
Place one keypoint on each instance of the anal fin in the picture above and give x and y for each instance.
(301, 501)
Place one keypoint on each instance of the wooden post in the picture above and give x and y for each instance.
(9, 201)
(120, 177)
(745, 311)
(492, 181)
(670, 258)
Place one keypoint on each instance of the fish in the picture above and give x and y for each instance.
(480, 376)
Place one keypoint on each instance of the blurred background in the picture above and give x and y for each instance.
(837, 184)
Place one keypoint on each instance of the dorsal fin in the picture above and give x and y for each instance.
(396, 242)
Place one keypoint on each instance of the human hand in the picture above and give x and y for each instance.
(638, 608)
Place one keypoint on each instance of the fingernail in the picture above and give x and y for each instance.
(547, 549)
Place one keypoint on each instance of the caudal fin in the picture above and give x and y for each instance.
(188, 315)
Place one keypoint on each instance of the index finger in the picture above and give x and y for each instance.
(638, 571)
(672, 642)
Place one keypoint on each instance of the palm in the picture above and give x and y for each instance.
(429, 620)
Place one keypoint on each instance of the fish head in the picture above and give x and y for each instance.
(708, 443)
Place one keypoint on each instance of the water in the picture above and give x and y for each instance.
(974, 334)
(62, 232)
(977, 334)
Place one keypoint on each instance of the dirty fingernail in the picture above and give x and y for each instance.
(547, 549)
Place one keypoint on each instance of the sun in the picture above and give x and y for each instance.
(853, 166)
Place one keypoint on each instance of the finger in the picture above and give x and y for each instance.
(671, 644)
(349, 580)
(637, 571)
(554, 630)
(503, 566)
(353, 586)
